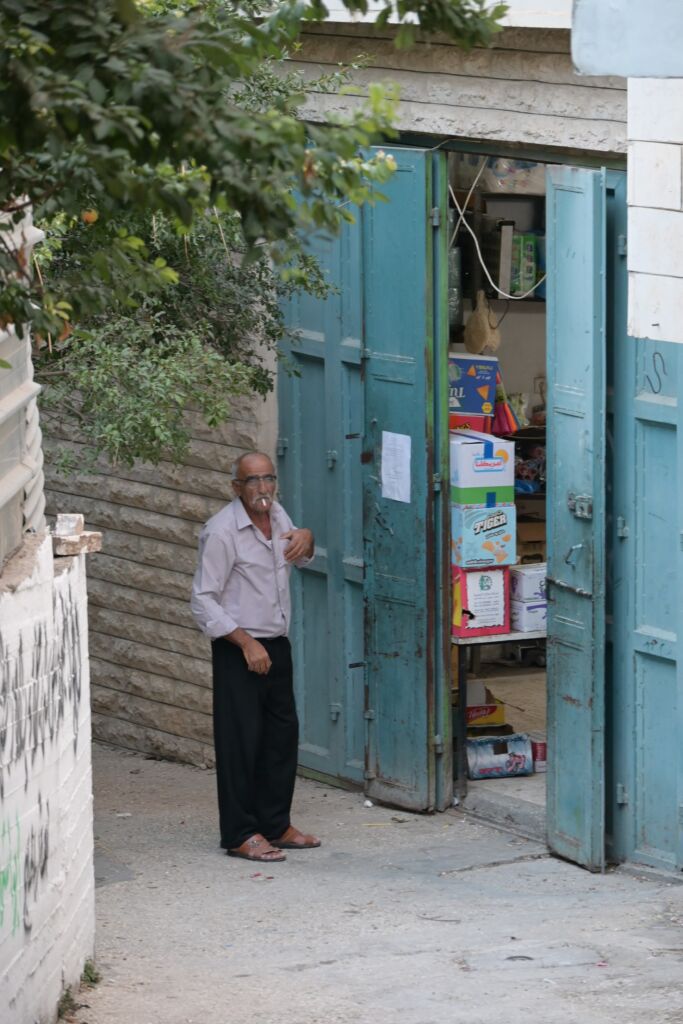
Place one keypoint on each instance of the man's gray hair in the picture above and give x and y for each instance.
(235, 468)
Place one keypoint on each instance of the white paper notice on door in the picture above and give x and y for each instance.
(486, 598)
(396, 450)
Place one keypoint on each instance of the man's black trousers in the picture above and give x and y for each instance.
(256, 735)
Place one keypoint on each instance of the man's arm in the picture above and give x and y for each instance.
(301, 546)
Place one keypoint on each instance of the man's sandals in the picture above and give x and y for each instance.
(257, 847)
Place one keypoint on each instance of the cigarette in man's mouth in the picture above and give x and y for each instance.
(265, 502)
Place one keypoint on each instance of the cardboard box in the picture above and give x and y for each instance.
(483, 536)
(482, 424)
(530, 508)
(527, 583)
(528, 616)
(472, 385)
(531, 542)
(481, 602)
(523, 263)
(482, 469)
(484, 715)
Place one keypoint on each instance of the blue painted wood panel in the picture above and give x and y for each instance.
(320, 436)
(403, 357)
(645, 802)
(369, 630)
(576, 508)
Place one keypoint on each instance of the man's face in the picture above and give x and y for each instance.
(255, 483)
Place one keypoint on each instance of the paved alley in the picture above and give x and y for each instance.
(397, 918)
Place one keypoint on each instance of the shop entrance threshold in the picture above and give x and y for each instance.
(516, 803)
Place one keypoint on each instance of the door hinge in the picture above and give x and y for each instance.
(436, 217)
(622, 246)
(282, 446)
(369, 775)
(622, 528)
(436, 483)
(331, 458)
(437, 744)
(369, 714)
(622, 795)
(580, 505)
(335, 711)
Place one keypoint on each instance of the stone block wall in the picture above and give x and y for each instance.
(655, 220)
(47, 911)
(150, 665)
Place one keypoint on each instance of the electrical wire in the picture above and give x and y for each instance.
(505, 295)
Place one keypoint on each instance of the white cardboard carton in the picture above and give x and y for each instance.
(527, 582)
(526, 617)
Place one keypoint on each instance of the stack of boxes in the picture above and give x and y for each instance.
(483, 518)
(529, 608)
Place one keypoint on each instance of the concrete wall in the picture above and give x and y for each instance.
(151, 670)
(522, 91)
(655, 222)
(46, 841)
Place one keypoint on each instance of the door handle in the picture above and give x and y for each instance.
(569, 557)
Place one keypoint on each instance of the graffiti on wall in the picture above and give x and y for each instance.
(40, 703)
(37, 688)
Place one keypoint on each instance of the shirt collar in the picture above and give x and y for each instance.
(242, 516)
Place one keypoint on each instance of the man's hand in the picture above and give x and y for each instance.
(301, 544)
(256, 657)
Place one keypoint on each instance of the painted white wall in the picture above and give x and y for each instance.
(47, 913)
(521, 13)
(655, 217)
(628, 37)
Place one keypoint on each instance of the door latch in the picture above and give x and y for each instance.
(331, 458)
(580, 505)
(622, 528)
(335, 711)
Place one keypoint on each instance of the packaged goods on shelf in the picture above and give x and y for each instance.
(483, 537)
(531, 542)
(481, 602)
(471, 385)
(482, 469)
(528, 616)
(528, 582)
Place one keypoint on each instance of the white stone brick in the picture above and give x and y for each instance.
(654, 175)
(655, 242)
(655, 110)
(654, 307)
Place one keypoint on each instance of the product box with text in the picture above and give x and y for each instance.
(482, 469)
(481, 602)
(483, 536)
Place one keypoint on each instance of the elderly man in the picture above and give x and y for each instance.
(240, 599)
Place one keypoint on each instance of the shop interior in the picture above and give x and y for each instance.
(497, 386)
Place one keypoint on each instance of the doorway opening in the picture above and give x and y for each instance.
(497, 328)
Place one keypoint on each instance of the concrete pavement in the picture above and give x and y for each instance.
(398, 917)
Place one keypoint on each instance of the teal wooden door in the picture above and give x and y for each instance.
(320, 399)
(645, 790)
(576, 225)
(369, 636)
(403, 503)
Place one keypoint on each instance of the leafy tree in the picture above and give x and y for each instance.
(122, 124)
